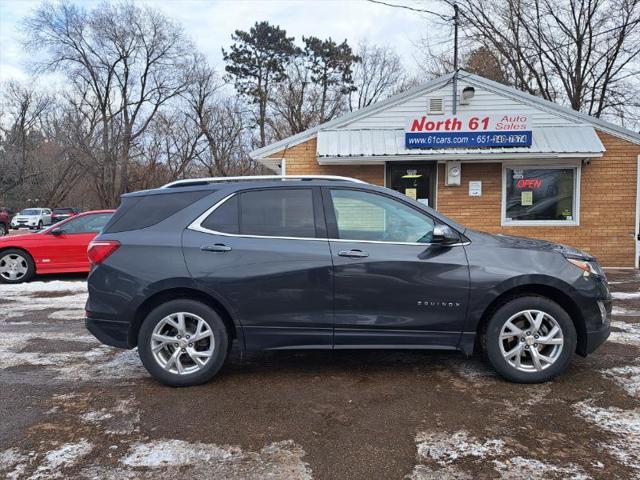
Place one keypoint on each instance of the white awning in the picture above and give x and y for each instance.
(373, 146)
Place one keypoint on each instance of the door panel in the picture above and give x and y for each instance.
(265, 252)
(280, 290)
(418, 292)
(392, 286)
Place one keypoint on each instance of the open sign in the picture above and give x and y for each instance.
(529, 183)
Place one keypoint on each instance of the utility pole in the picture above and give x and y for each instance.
(455, 58)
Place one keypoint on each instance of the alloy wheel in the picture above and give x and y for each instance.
(13, 267)
(182, 343)
(531, 341)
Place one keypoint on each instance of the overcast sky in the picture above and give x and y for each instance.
(210, 24)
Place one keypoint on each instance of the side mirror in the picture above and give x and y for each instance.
(444, 235)
(57, 231)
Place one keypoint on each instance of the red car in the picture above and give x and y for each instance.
(60, 248)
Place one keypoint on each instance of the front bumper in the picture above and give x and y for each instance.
(596, 338)
(109, 332)
(598, 330)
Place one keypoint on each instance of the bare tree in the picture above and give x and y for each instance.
(378, 75)
(297, 103)
(59, 161)
(222, 123)
(582, 52)
(24, 110)
(124, 63)
(172, 145)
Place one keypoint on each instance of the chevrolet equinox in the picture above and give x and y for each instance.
(182, 271)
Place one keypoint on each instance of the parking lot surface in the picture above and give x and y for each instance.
(71, 407)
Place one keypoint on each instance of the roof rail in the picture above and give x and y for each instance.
(196, 181)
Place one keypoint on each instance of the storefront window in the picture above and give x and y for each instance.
(540, 194)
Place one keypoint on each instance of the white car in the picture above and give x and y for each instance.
(33, 218)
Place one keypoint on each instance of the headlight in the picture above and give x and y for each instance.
(587, 267)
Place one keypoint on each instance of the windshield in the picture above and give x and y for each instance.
(30, 211)
(62, 210)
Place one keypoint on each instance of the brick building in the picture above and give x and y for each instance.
(504, 162)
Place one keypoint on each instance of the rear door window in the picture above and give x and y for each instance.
(266, 213)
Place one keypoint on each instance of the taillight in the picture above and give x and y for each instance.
(99, 250)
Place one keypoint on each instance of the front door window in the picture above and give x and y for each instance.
(372, 217)
(415, 181)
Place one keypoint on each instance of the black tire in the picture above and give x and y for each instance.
(212, 365)
(26, 260)
(4, 230)
(503, 314)
(40, 225)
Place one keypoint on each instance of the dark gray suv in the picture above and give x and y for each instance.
(331, 263)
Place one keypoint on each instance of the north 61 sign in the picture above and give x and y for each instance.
(469, 131)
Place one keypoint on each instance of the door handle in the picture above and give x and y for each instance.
(218, 247)
(353, 254)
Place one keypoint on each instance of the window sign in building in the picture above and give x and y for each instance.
(540, 194)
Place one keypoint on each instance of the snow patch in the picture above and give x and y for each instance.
(618, 311)
(65, 456)
(622, 424)
(630, 334)
(13, 463)
(177, 453)
(23, 298)
(75, 302)
(97, 363)
(422, 472)
(625, 295)
(516, 468)
(448, 450)
(67, 315)
(628, 377)
(20, 289)
(123, 419)
(445, 448)
(178, 458)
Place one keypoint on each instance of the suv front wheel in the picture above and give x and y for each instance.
(530, 339)
(183, 343)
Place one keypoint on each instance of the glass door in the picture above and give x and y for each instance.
(416, 181)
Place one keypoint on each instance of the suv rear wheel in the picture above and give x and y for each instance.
(183, 343)
(530, 339)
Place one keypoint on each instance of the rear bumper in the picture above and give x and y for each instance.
(109, 332)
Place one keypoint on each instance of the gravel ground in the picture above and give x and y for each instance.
(71, 407)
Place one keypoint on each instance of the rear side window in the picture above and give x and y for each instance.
(225, 218)
(270, 213)
(140, 212)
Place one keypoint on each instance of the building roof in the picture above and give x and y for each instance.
(476, 80)
(579, 140)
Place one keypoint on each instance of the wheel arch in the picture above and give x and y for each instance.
(552, 293)
(163, 296)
